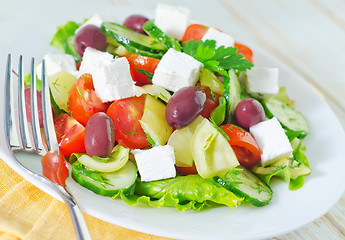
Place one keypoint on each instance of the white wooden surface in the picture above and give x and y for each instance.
(306, 35)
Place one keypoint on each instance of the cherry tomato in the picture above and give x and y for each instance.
(244, 145)
(70, 134)
(83, 101)
(148, 64)
(194, 32)
(187, 170)
(77, 65)
(126, 114)
(212, 101)
(245, 51)
(54, 168)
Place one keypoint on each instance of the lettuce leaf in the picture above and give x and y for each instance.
(291, 170)
(64, 39)
(182, 192)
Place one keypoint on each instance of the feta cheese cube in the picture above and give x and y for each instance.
(172, 20)
(155, 163)
(262, 80)
(113, 81)
(221, 38)
(94, 59)
(56, 63)
(96, 20)
(176, 70)
(272, 140)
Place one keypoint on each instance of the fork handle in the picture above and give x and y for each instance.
(80, 226)
(79, 223)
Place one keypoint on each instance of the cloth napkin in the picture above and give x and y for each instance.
(28, 213)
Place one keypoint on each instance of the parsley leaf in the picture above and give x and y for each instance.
(150, 140)
(146, 73)
(220, 59)
(232, 176)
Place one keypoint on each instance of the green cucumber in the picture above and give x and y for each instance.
(116, 160)
(128, 37)
(290, 118)
(232, 94)
(235, 91)
(152, 30)
(248, 186)
(105, 184)
(143, 53)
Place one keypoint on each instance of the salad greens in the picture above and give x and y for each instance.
(233, 184)
(64, 39)
(182, 192)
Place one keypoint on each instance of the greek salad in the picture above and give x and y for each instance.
(169, 113)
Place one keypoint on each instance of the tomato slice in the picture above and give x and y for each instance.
(187, 170)
(70, 134)
(83, 101)
(148, 64)
(212, 101)
(245, 51)
(244, 145)
(54, 168)
(194, 32)
(126, 114)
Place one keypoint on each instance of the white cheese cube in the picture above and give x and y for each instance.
(96, 20)
(113, 81)
(221, 38)
(56, 63)
(272, 140)
(262, 80)
(172, 20)
(176, 70)
(94, 59)
(155, 163)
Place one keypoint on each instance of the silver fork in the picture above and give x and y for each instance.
(26, 138)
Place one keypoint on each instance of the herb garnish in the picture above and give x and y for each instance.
(219, 60)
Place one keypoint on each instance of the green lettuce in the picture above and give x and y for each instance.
(64, 39)
(292, 170)
(182, 192)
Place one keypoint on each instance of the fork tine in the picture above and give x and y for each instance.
(35, 126)
(49, 130)
(23, 126)
(10, 125)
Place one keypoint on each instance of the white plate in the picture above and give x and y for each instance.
(289, 210)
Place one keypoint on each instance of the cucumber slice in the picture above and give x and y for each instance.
(142, 52)
(235, 91)
(157, 92)
(232, 94)
(152, 30)
(249, 186)
(128, 37)
(289, 117)
(105, 184)
(117, 159)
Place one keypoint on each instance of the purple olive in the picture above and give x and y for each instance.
(184, 106)
(99, 135)
(249, 112)
(135, 22)
(90, 36)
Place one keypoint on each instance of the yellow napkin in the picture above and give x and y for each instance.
(28, 213)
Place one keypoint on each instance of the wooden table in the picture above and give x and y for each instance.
(306, 35)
